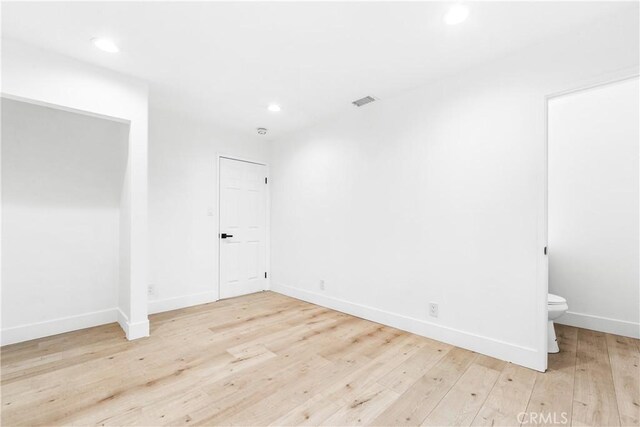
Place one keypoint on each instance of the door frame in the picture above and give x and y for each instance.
(216, 236)
(543, 230)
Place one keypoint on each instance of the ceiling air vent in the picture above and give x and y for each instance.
(363, 101)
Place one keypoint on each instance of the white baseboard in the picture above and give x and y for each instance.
(524, 356)
(137, 330)
(599, 323)
(123, 320)
(133, 330)
(168, 304)
(58, 326)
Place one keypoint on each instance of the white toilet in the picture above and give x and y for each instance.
(556, 306)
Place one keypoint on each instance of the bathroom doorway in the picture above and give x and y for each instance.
(593, 198)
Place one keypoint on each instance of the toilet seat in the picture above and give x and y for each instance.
(555, 300)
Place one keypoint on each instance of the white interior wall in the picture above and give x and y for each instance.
(593, 206)
(47, 78)
(183, 214)
(62, 176)
(437, 195)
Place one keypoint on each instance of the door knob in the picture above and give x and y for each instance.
(225, 235)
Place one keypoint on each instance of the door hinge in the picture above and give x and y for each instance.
(265, 274)
(545, 250)
(265, 179)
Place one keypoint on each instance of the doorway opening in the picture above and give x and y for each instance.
(592, 208)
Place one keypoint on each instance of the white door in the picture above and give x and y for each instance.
(242, 231)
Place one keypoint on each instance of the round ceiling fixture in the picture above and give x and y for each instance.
(262, 131)
(274, 107)
(105, 45)
(456, 14)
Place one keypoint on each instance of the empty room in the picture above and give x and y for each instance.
(323, 213)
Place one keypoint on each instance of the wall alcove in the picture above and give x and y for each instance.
(74, 198)
(62, 187)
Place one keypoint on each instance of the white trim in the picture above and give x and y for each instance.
(542, 260)
(123, 321)
(602, 324)
(61, 325)
(175, 303)
(63, 108)
(135, 330)
(633, 73)
(219, 156)
(241, 159)
(517, 354)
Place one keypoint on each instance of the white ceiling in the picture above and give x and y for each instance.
(224, 62)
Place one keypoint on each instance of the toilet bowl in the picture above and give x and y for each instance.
(556, 307)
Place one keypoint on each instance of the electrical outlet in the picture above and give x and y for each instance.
(151, 290)
(433, 309)
(322, 285)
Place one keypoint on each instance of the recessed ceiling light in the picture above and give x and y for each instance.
(456, 14)
(105, 45)
(273, 107)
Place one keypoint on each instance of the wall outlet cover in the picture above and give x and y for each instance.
(433, 309)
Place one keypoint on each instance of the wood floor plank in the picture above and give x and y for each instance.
(251, 406)
(362, 410)
(161, 412)
(508, 398)
(463, 401)
(347, 389)
(625, 368)
(552, 396)
(267, 359)
(408, 372)
(594, 396)
(413, 406)
(313, 413)
(290, 397)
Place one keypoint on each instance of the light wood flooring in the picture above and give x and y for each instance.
(266, 359)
